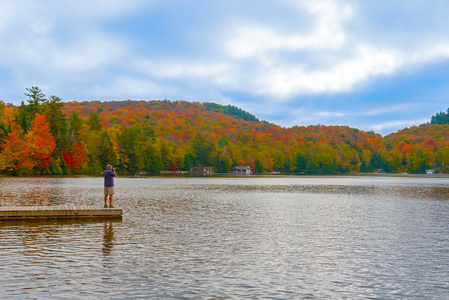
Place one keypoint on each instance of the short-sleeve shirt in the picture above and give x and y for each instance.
(108, 178)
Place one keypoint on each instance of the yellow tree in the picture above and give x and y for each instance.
(442, 157)
(393, 158)
(366, 156)
(7, 117)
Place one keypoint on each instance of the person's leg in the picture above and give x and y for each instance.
(105, 200)
(110, 200)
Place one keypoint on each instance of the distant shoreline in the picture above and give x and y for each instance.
(174, 175)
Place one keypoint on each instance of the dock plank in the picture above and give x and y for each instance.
(58, 212)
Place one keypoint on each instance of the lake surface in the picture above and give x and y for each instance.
(231, 237)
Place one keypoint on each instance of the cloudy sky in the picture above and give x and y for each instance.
(377, 65)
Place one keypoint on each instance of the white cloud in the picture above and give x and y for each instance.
(397, 124)
(388, 109)
(40, 16)
(61, 42)
(430, 53)
(259, 58)
(367, 112)
(47, 54)
(128, 86)
(331, 114)
(341, 76)
(346, 60)
(8, 12)
(42, 26)
(255, 39)
(181, 69)
(321, 47)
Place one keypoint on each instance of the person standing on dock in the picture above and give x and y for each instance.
(109, 175)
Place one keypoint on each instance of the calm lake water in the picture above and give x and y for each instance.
(231, 237)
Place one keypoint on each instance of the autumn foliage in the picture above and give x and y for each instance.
(48, 136)
(31, 150)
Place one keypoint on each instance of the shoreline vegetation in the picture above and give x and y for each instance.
(46, 136)
(231, 175)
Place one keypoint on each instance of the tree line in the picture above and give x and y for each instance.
(44, 135)
(440, 118)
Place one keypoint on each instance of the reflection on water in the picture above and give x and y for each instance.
(250, 237)
(50, 259)
(46, 191)
(108, 239)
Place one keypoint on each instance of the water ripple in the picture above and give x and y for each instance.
(190, 238)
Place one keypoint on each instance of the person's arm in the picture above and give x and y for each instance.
(113, 170)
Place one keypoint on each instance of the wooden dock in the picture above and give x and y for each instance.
(57, 212)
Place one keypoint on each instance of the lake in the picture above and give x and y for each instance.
(275, 237)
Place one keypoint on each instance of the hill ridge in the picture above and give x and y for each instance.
(155, 135)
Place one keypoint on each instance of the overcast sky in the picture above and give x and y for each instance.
(377, 65)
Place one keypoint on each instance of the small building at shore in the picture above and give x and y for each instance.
(246, 170)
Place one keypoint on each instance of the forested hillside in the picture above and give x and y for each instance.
(47, 136)
(418, 148)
